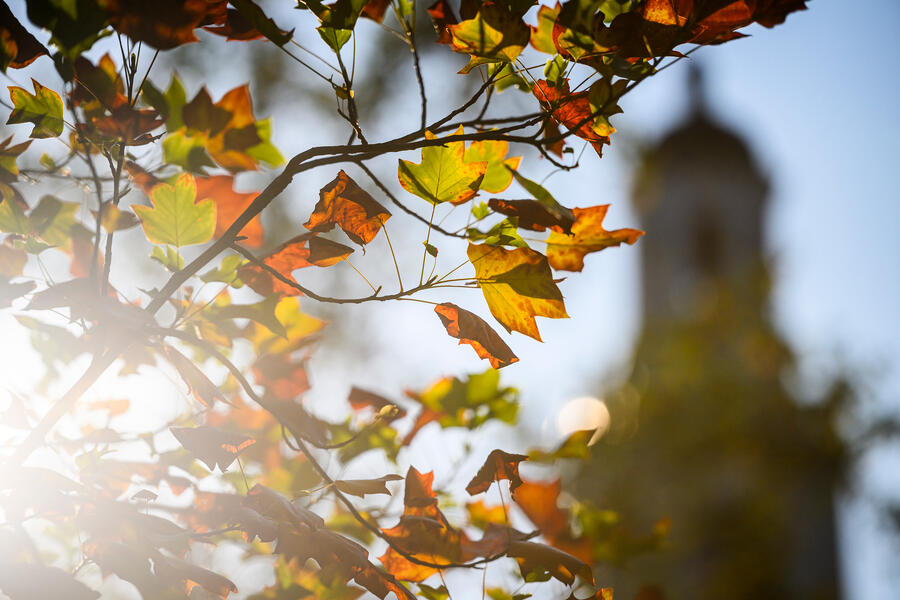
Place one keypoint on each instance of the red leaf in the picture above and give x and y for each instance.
(442, 16)
(498, 465)
(471, 329)
(533, 215)
(572, 111)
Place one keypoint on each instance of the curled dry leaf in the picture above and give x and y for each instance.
(213, 446)
(498, 465)
(471, 329)
(343, 203)
(567, 252)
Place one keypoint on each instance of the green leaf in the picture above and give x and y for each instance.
(227, 271)
(188, 152)
(44, 109)
(53, 220)
(265, 151)
(12, 216)
(504, 233)
(168, 105)
(9, 171)
(261, 22)
(433, 593)
(169, 258)
(494, 34)
(443, 175)
(497, 177)
(175, 218)
(334, 38)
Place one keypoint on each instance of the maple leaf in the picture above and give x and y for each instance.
(497, 177)
(44, 109)
(163, 24)
(442, 17)
(493, 34)
(299, 252)
(498, 465)
(18, 48)
(213, 446)
(343, 203)
(566, 253)
(175, 218)
(533, 215)
(574, 112)
(443, 175)
(229, 206)
(539, 502)
(471, 329)
(518, 286)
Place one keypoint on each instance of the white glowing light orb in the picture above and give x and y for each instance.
(583, 413)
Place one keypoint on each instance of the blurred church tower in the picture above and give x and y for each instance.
(705, 432)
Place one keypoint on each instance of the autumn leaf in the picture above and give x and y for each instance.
(538, 561)
(163, 24)
(360, 399)
(213, 446)
(533, 215)
(44, 109)
(518, 286)
(175, 218)
(9, 170)
(361, 487)
(115, 219)
(299, 252)
(229, 206)
(566, 253)
(443, 175)
(481, 515)
(204, 390)
(574, 112)
(18, 48)
(497, 177)
(494, 34)
(539, 502)
(442, 17)
(471, 329)
(498, 465)
(343, 203)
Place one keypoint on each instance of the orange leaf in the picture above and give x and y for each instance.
(442, 16)
(343, 203)
(566, 253)
(229, 205)
(471, 329)
(290, 256)
(163, 24)
(498, 465)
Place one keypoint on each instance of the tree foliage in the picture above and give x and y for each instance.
(155, 156)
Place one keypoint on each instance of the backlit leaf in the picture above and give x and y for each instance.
(536, 561)
(443, 175)
(498, 465)
(471, 329)
(44, 109)
(567, 252)
(175, 218)
(297, 253)
(343, 203)
(204, 390)
(213, 446)
(18, 48)
(494, 33)
(518, 286)
(497, 177)
(229, 205)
